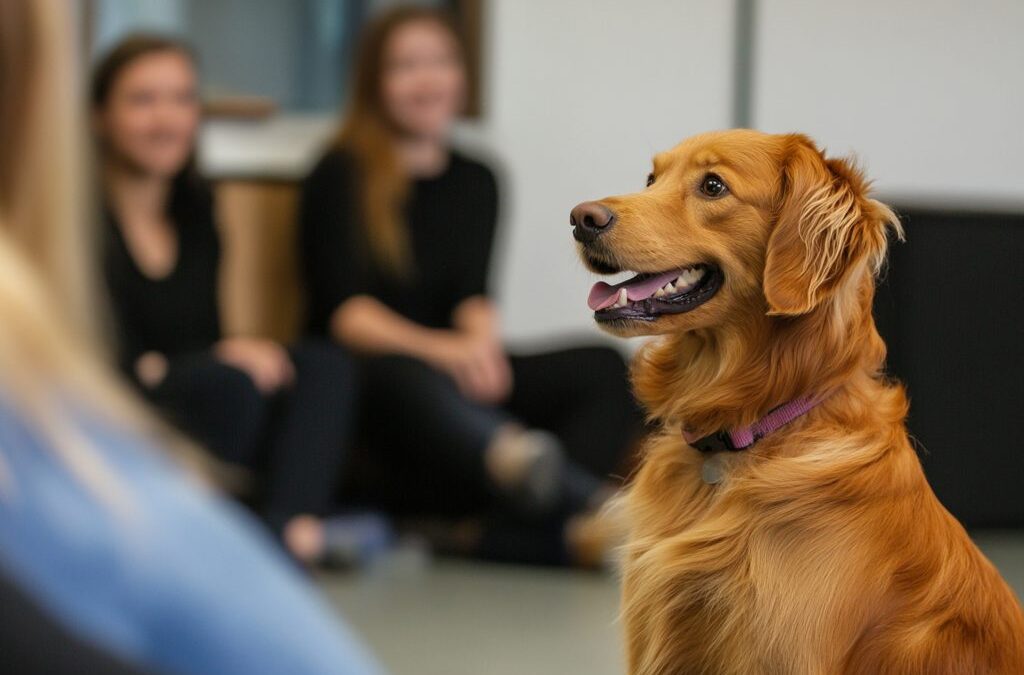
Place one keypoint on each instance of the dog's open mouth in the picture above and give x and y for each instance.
(645, 297)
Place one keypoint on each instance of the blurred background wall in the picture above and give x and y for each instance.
(927, 92)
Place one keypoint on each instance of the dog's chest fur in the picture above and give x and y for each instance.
(714, 583)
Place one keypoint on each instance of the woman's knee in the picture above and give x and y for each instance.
(325, 363)
(237, 394)
(399, 377)
(325, 381)
(206, 380)
(428, 402)
(217, 404)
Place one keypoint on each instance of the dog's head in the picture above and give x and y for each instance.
(732, 224)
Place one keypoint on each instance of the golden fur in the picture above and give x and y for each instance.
(824, 550)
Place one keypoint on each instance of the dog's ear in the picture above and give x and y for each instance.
(826, 228)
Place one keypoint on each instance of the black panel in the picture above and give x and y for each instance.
(951, 308)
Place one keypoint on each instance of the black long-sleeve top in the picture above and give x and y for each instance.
(178, 313)
(451, 220)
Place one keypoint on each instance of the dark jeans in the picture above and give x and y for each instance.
(33, 641)
(427, 441)
(295, 439)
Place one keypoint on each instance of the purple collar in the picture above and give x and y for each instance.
(741, 438)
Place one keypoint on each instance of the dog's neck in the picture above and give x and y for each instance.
(728, 377)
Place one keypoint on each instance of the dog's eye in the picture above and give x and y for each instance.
(713, 185)
(650, 179)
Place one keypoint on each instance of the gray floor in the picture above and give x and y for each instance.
(449, 618)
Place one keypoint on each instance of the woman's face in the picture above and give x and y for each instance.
(424, 81)
(151, 116)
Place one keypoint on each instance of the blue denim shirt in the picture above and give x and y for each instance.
(179, 581)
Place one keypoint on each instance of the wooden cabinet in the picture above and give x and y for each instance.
(260, 280)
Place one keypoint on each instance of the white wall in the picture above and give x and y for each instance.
(929, 93)
(579, 95)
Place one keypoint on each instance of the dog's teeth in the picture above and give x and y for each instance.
(660, 293)
(688, 278)
(670, 287)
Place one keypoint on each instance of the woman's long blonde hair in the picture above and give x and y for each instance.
(368, 135)
(41, 204)
(50, 352)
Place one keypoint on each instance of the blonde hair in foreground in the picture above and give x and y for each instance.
(48, 325)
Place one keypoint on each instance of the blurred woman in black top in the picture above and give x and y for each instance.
(283, 412)
(397, 232)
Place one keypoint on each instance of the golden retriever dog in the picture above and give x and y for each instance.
(815, 545)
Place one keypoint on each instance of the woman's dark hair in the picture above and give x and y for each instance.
(187, 187)
(126, 52)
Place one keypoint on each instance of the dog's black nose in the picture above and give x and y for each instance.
(589, 220)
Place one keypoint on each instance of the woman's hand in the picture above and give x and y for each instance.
(265, 361)
(151, 369)
(478, 365)
(471, 354)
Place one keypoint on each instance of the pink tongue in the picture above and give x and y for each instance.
(604, 295)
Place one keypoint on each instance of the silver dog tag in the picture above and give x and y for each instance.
(713, 469)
